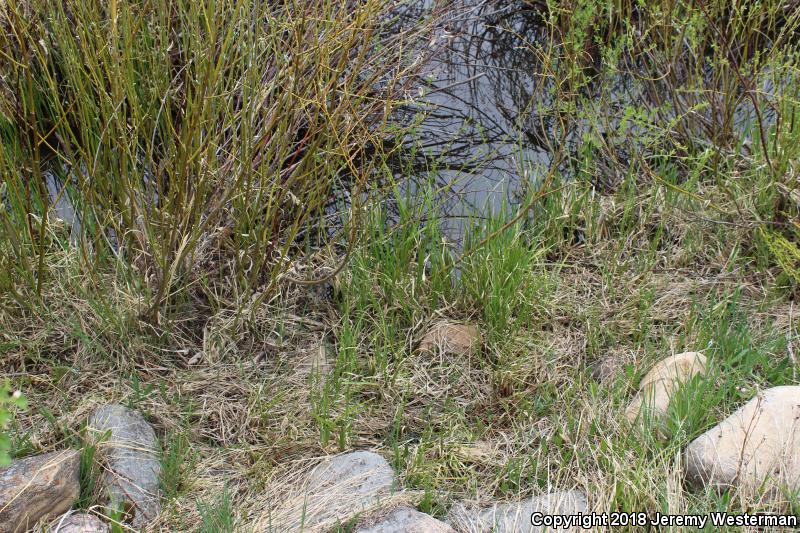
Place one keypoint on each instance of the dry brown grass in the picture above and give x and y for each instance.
(518, 417)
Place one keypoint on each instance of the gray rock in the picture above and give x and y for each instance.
(132, 462)
(515, 517)
(757, 448)
(338, 490)
(406, 520)
(79, 523)
(39, 487)
(360, 478)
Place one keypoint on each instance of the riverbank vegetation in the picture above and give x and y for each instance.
(245, 264)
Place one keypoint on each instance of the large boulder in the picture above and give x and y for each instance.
(38, 488)
(757, 448)
(515, 517)
(662, 381)
(131, 458)
(404, 519)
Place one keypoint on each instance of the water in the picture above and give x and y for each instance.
(490, 129)
(472, 144)
(62, 207)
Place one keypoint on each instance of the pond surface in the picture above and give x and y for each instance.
(472, 144)
(491, 127)
(487, 129)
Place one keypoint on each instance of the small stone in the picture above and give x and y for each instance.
(658, 385)
(358, 477)
(407, 520)
(515, 517)
(449, 337)
(132, 462)
(79, 523)
(757, 448)
(39, 487)
(337, 490)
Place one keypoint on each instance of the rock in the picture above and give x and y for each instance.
(407, 520)
(757, 448)
(459, 339)
(337, 490)
(360, 478)
(79, 523)
(39, 487)
(516, 517)
(658, 385)
(132, 462)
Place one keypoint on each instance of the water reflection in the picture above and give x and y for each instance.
(493, 124)
(474, 142)
(489, 125)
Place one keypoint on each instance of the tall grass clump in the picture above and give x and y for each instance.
(9, 401)
(192, 146)
(699, 99)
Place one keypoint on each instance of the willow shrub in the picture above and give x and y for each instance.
(198, 141)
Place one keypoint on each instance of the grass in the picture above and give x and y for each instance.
(216, 516)
(521, 416)
(9, 400)
(671, 232)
